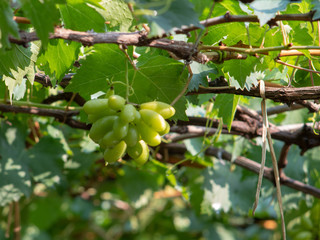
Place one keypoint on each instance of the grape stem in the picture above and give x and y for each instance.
(39, 105)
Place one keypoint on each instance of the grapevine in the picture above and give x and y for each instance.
(119, 127)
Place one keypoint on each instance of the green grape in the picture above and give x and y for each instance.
(153, 119)
(164, 109)
(108, 140)
(149, 135)
(95, 105)
(116, 102)
(132, 137)
(128, 113)
(166, 130)
(100, 127)
(143, 157)
(137, 117)
(136, 150)
(107, 112)
(120, 129)
(113, 154)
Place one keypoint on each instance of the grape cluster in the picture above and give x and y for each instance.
(119, 127)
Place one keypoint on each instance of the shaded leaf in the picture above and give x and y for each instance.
(168, 15)
(224, 190)
(139, 185)
(316, 7)
(45, 161)
(7, 25)
(43, 15)
(15, 179)
(200, 73)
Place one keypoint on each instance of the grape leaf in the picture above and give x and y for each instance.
(226, 104)
(240, 69)
(267, 9)
(66, 52)
(229, 34)
(200, 73)
(168, 15)
(7, 25)
(301, 34)
(77, 15)
(17, 64)
(316, 7)
(139, 185)
(158, 77)
(43, 15)
(48, 172)
(117, 13)
(15, 179)
(224, 190)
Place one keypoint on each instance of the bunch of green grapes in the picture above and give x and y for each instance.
(119, 127)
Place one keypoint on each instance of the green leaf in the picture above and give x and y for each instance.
(66, 52)
(158, 78)
(7, 25)
(168, 15)
(139, 185)
(301, 34)
(224, 190)
(14, 174)
(118, 13)
(43, 216)
(194, 145)
(200, 73)
(48, 172)
(267, 9)
(15, 65)
(240, 69)
(43, 16)
(17, 57)
(228, 33)
(226, 104)
(77, 15)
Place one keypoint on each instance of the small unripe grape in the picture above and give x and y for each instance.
(95, 105)
(153, 119)
(110, 92)
(143, 157)
(137, 117)
(120, 129)
(116, 102)
(149, 135)
(132, 137)
(100, 127)
(113, 154)
(128, 113)
(164, 109)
